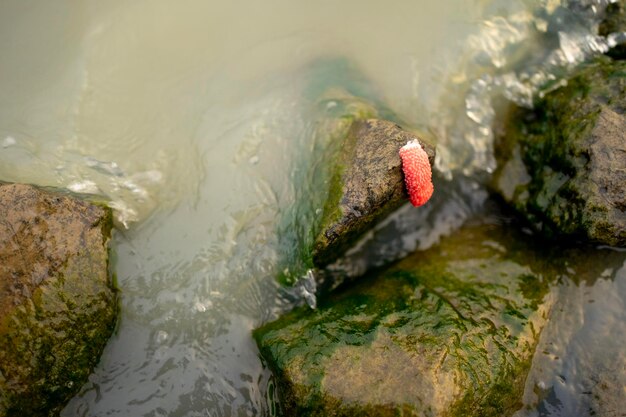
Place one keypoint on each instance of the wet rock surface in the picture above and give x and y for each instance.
(366, 184)
(563, 164)
(449, 331)
(57, 305)
(613, 23)
(579, 368)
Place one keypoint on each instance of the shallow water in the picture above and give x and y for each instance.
(195, 120)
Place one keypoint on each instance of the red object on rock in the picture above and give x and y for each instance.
(417, 173)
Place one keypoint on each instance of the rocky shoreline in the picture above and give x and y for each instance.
(453, 330)
(449, 331)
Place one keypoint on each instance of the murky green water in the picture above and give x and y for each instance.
(192, 118)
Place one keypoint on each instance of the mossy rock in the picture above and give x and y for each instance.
(350, 176)
(446, 332)
(57, 304)
(563, 164)
(334, 111)
(614, 22)
(366, 184)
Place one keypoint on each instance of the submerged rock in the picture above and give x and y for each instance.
(449, 331)
(578, 368)
(57, 305)
(366, 184)
(563, 164)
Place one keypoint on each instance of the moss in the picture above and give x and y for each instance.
(321, 185)
(615, 21)
(368, 184)
(336, 95)
(51, 341)
(342, 144)
(57, 349)
(450, 332)
(555, 142)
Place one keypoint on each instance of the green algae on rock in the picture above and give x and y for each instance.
(351, 176)
(335, 109)
(367, 183)
(450, 332)
(563, 164)
(613, 23)
(57, 304)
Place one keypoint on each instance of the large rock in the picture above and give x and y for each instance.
(57, 305)
(348, 178)
(450, 331)
(563, 164)
(366, 184)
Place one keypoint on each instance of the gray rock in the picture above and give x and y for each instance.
(563, 164)
(57, 305)
(367, 184)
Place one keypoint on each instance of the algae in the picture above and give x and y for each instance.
(450, 331)
(561, 164)
(367, 185)
(614, 22)
(319, 189)
(53, 329)
(340, 102)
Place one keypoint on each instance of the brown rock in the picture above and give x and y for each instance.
(57, 307)
(366, 186)
(562, 165)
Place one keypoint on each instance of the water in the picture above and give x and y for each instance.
(580, 365)
(194, 120)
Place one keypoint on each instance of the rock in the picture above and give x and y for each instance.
(579, 363)
(450, 331)
(614, 23)
(563, 164)
(57, 305)
(348, 176)
(333, 110)
(366, 184)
